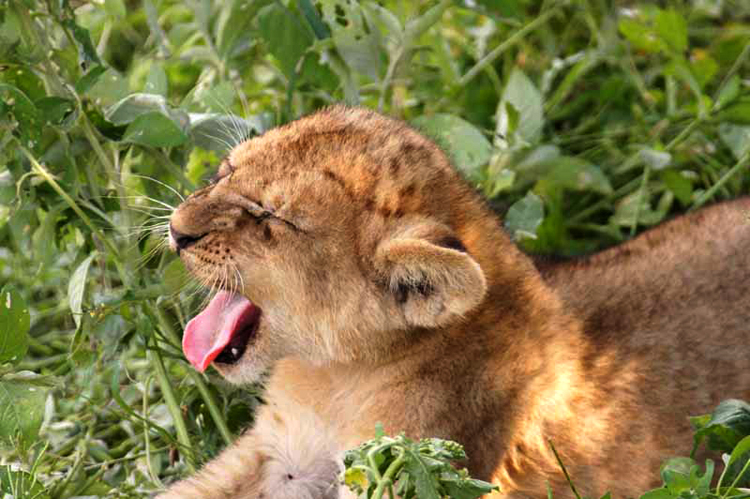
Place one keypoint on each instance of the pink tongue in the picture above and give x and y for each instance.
(209, 332)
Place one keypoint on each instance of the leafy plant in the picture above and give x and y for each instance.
(582, 121)
(399, 467)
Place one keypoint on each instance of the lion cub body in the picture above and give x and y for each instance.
(390, 294)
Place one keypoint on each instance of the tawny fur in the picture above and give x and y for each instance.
(390, 293)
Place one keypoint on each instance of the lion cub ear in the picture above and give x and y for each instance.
(430, 274)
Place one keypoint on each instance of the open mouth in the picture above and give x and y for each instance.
(222, 332)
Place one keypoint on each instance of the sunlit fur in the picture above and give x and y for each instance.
(390, 293)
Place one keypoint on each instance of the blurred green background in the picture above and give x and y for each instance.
(582, 121)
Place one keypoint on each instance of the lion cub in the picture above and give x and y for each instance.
(353, 260)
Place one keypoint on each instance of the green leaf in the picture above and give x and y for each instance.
(672, 28)
(464, 143)
(134, 105)
(639, 35)
(54, 109)
(681, 474)
(736, 137)
(29, 120)
(85, 82)
(115, 9)
(679, 185)
(425, 483)
(356, 41)
(76, 287)
(21, 412)
(285, 36)
(14, 325)
(737, 461)
(156, 130)
(86, 49)
(729, 92)
(175, 276)
(525, 216)
(662, 493)
(729, 423)
(526, 100)
(156, 81)
(232, 25)
(20, 484)
(635, 207)
(576, 174)
(738, 112)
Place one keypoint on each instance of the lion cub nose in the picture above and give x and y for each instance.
(179, 241)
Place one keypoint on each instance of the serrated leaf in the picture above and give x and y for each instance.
(525, 216)
(21, 412)
(76, 288)
(155, 130)
(425, 484)
(464, 143)
(526, 100)
(14, 325)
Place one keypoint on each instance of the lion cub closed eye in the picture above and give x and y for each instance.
(352, 261)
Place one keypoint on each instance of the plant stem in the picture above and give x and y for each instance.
(509, 42)
(387, 480)
(42, 172)
(743, 162)
(174, 407)
(197, 378)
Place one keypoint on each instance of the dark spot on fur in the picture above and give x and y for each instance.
(369, 204)
(394, 165)
(407, 191)
(267, 233)
(404, 289)
(289, 476)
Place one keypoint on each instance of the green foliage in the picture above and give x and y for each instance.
(583, 121)
(400, 467)
(726, 430)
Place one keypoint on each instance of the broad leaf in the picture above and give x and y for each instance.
(14, 325)
(525, 216)
(465, 144)
(525, 100)
(156, 130)
(285, 36)
(21, 412)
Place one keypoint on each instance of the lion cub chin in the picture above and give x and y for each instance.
(352, 260)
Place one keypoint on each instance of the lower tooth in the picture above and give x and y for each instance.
(235, 352)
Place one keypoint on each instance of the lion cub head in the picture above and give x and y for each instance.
(335, 238)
